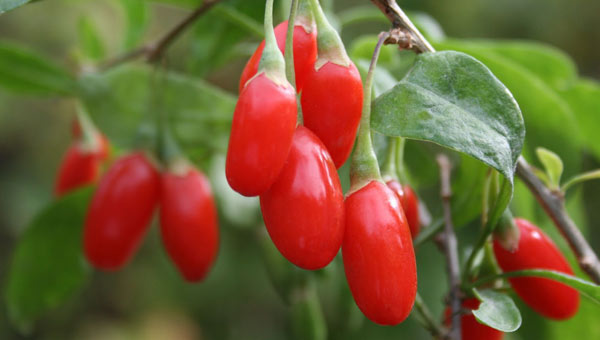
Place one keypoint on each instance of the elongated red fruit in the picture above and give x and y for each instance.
(304, 209)
(261, 135)
(188, 223)
(78, 168)
(471, 329)
(332, 102)
(379, 259)
(410, 205)
(536, 250)
(305, 53)
(120, 211)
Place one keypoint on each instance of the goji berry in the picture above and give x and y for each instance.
(304, 209)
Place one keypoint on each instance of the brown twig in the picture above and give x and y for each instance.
(154, 51)
(554, 205)
(400, 20)
(450, 246)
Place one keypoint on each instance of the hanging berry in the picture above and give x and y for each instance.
(188, 220)
(379, 258)
(535, 250)
(332, 96)
(80, 165)
(120, 211)
(263, 122)
(304, 209)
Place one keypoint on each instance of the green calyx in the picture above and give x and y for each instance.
(329, 44)
(305, 16)
(272, 62)
(364, 167)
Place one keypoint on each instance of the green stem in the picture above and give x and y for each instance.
(272, 61)
(88, 129)
(289, 45)
(400, 169)
(364, 166)
(426, 318)
(388, 170)
(330, 47)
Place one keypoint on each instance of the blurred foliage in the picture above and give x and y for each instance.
(48, 53)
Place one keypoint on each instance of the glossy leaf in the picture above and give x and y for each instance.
(497, 310)
(25, 71)
(454, 91)
(48, 266)
(549, 118)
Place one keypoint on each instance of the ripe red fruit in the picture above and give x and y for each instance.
(78, 168)
(305, 54)
(410, 205)
(471, 329)
(261, 135)
(188, 222)
(304, 209)
(537, 251)
(81, 164)
(332, 102)
(379, 259)
(120, 211)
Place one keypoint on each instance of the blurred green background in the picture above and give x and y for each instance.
(147, 299)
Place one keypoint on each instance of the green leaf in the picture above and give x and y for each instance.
(497, 310)
(549, 120)
(48, 265)
(584, 99)
(553, 165)
(199, 112)
(25, 71)
(136, 12)
(7, 5)
(452, 99)
(89, 39)
(586, 176)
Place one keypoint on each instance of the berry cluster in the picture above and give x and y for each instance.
(125, 201)
(293, 168)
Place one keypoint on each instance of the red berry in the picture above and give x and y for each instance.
(409, 203)
(120, 211)
(78, 168)
(332, 102)
(188, 223)
(261, 135)
(471, 329)
(379, 259)
(304, 209)
(305, 54)
(537, 251)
